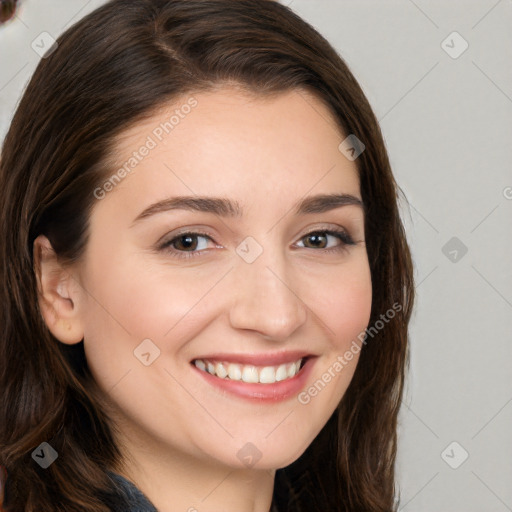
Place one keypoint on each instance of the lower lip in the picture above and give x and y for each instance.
(262, 392)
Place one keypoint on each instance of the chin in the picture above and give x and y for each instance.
(267, 455)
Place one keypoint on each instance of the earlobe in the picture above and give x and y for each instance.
(58, 294)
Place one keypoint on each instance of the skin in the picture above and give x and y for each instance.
(180, 435)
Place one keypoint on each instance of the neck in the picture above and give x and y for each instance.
(173, 480)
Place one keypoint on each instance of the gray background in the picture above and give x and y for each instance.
(447, 126)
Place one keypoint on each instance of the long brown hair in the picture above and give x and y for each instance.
(112, 69)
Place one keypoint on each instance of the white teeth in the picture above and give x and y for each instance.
(281, 373)
(234, 372)
(220, 370)
(249, 373)
(267, 375)
(200, 364)
(293, 368)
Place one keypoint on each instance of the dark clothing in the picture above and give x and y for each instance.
(128, 498)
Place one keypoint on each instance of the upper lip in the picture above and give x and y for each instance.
(257, 359)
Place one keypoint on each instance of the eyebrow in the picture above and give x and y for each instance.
(227, 208)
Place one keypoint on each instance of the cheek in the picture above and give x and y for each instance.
(345, 312)
(130, 301)
(140, 301)
(125, 305)
(345, 306)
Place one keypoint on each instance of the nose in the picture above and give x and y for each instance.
(265, 299)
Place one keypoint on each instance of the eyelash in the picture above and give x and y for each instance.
(342, 235)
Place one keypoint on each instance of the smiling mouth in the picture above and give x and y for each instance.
(249, 373)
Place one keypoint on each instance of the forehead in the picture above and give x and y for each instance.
(229, 142)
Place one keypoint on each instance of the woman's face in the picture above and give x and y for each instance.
(247, 291)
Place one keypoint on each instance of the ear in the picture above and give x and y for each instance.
(59, 294)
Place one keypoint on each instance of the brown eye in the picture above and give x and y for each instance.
(7, 10)
(186, 242)
(185, 245)
(320, 238)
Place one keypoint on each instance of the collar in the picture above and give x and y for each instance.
(127, 498)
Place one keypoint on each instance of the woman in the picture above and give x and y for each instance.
(174, 338)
